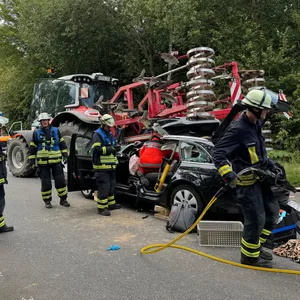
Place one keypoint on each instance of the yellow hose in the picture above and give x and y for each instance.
(159, 247)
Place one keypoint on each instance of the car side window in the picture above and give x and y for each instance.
(83, 146)
(194, 153)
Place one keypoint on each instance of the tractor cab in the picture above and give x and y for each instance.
(80, 91)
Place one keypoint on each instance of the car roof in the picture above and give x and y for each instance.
(185, 138)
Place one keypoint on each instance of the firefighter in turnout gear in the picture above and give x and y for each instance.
(3, 180)
(243, 145)
(48, 149)
(104, 148)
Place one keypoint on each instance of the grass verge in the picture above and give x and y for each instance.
(291, 163)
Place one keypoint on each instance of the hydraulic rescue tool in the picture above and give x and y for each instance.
(162, 175)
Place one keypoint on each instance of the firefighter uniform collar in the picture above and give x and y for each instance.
(258, 124)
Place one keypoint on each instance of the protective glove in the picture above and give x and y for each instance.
(231, 179)
(65, 159)
(34, 167)
(274, 168)
(113, 247)
(5, 181)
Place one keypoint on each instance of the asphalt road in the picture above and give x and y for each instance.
(61, 254)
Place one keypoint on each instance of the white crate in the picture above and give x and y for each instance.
(220, 233)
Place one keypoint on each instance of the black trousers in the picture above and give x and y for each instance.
(2, 205)
(106, 184)
(260, 210)
(2, 200)
(59, 179)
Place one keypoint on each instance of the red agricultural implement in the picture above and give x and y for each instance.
(187, 107)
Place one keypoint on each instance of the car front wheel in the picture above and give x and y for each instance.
(185, 192)
(88, 194)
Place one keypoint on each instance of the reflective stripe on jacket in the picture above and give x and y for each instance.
(104, 151)
(47, 146)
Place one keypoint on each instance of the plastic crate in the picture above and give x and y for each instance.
(220, 233)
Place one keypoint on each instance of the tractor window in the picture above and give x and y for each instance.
(100, 90)
(66, 95)
(51, 95)
(194, 153)
(104, 89)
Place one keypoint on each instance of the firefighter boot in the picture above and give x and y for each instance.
(48, 204)
(64, 202)
(256, 261)
(265, 255)
(114, 206)
(104, 212)
(6, 228)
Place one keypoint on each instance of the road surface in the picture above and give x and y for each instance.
(61, 254)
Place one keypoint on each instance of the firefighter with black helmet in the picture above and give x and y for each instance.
(243, 145)
(3, 180)
(48, 149)
(104, 149)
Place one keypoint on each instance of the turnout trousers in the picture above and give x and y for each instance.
(106, 184)
(2, 205)
(260, 210)
(59, 179)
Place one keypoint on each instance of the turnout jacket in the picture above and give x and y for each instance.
(3, 170)
(243, 145)
(47, 147)
(104, 151)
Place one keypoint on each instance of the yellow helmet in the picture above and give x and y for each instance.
(258, 98)
(107, 120)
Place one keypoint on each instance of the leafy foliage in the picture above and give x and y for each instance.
(121, 37)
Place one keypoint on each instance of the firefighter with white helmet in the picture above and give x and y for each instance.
(104, 149)
(243, 145)
(48, 149)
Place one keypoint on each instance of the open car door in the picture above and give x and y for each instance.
(80, 167)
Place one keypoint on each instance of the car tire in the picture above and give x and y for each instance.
(187, 192)
(88, 194)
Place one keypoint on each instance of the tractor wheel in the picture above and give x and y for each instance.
(68, 128)
(17, 157)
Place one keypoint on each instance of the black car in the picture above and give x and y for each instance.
(193, 177)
